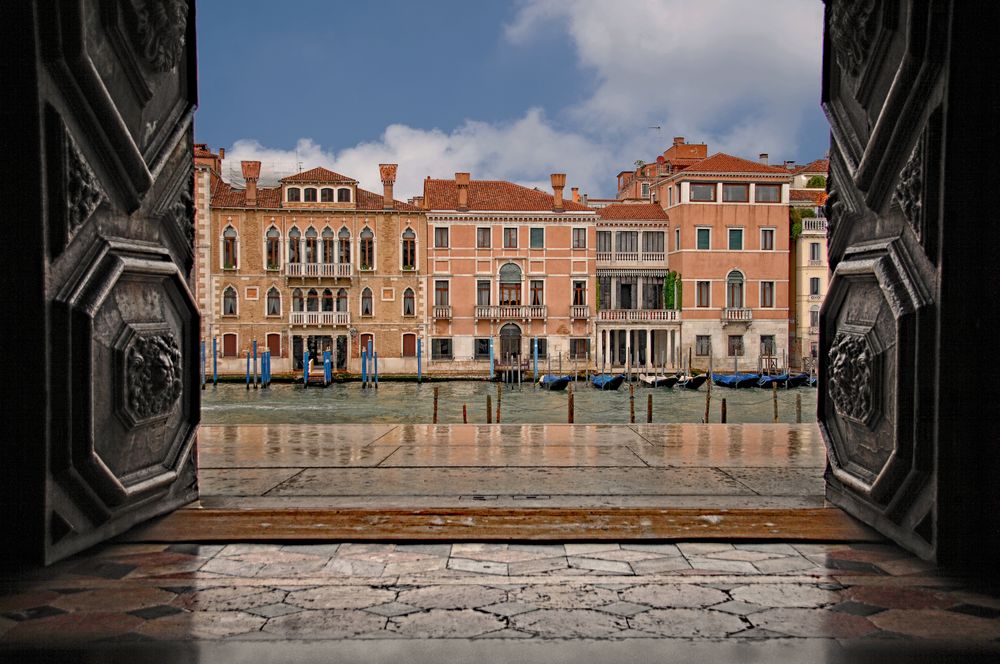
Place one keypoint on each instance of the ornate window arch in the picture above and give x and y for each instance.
(230, 306)
(272, 248)
(273, 302)
(735, 283)
(230, 248)
(366, 242)
(312, 245)
(294, 245)
(409, 303)
(367, 302)
(298, 303)
(344, 240)
(329, 255)
(327, 299)
(510, 284)
(312, 300)
(342, 300)
(409, 249)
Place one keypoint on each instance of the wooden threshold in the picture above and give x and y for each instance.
(480, 524)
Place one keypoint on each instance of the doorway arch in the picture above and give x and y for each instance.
(510, 340)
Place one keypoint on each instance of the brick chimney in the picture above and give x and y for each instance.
(558, 184)
(251, 171)
(388, 173)
(763, 158)
(576, 194)
(790, 164)
(222, 153)
(678, 140)
(462, 182)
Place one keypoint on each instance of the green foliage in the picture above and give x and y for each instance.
(816, 182)
(807, 213)
(680, 293)
(795, 217)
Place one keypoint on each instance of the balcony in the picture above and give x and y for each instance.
(640, 315)
(442, 312)
(815, 297)
(631, 257)
(813, 330)
(321, 318)
(579, 312)
(814, 224)
(815, 262)
(512, 312)
(736, 315)
(334, 270)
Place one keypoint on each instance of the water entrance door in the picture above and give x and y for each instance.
(510, 341)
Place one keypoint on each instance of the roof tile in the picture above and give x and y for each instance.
(721, 162)
(633, 211)
(318, 174)
(498, 195)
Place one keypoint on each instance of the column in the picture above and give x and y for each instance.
(614, 292)
(628, 348)
(649, 347)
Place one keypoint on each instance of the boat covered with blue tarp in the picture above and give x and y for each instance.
(607, 381)
(554, 382)
(797, 380)
(736, 380)
(768, 380)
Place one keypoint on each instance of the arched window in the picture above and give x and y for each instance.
(326, 195)
(273, 302)
(327, 300)
(367, 249)
(343, 195)
(311, 236)
(273, 249)
(293, 195)
(409, 249)
(734, 290)
(345, 245)
(366, 302)
(229, 256)
(409, 303)
(510, 284)
(229, 301)
(309, 195)
(294, 255)
(297, 300)
(312, 300)
(328, 255)
(342, 300)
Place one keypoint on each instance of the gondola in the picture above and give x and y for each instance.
(769, 380)
(657, 381)
(812, 381)
(607, 381)
(554, 382)
(692, 382)
(736, 380)
(797, 380)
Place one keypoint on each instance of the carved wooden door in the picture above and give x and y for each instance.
(115, 87)
(884, 89)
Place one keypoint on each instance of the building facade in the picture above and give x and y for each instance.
(508, 265)
(810, 272)
(314, 264)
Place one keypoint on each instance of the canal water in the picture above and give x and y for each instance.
(412, 403)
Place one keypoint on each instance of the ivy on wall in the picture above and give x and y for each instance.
(672, 299)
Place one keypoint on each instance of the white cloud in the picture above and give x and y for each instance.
(737, 75)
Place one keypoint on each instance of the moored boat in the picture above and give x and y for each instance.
(607, 381)
(769, 380)
(692, 382)
(797, 380)
(553, 382)
(657, 381)
(735, 380)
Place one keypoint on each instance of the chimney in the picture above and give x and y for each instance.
(763, 158)
(251, 171)
(222, 153)
(585, 199)
(388, 173)
(790, 164)
(576, 194)
(558, 183)
(678, 140)
(462, 182)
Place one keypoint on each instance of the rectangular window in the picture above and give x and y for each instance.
(704, 238)
(767, 294)
(703, 345)
(735, 239)
(814, 251)
(604, 292)
(441, 349)
(677, 239)
(441, 237)
(537, 292)
(670, 196)
(604, 241)
(735, 193)
(441, 293)
(645, 190)
(483, 293)
(652, 241)
(543, 348)
(767, 345)
(814, 318)
(483, 238)
(703, 294)
(536, 238)
(814, 286)
(580, 238)
(702, 192)
(767, 239)
(627, 241)
(579, 293)
(652, 293)
(482, 348)
(579, 349)
(767, 193)
(735, 345)
(510, 238)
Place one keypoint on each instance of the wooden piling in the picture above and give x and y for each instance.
(723, 410)
(708, 383)
(631, 403)
(798, 409)
(435, 405)
(499, 400)
(489, 409)
(569, 415)
(774, 399)
(465, 415)
(649, 409)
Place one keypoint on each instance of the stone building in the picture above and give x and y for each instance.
(315, 263)
(810, 273)
(507, 264)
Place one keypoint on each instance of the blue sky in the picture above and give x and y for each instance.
(506, 90)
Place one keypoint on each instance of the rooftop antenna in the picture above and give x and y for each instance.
(656, 127)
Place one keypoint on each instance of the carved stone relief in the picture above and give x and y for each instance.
(152, 380)
(84, 193)
(850, 374)
(160, 29)
(852, 32)
(909, 190)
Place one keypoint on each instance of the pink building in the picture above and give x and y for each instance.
(507, 265)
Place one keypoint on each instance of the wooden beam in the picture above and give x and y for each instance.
(498, 524)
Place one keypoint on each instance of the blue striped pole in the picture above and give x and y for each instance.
(248, 370)
(263, 368)
(326, 367)
(534, 352)
(370, 349)
(375, 361)
(492, 375)
(215, 361)
(420, 359)
(202, 364)
(364, 369)
(255, 374)
(305, 369)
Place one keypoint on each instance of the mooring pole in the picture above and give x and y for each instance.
(202, 364)
(255, 364)
(723, 410)
(419, 359)
(649, 409)
(248, 370)
(435, 404)
(798, 409)
(305, 369)
(375, 362)
(364, 369)
(489, 409)
(569, 405)
(534, 352)
(465, 415)
(631, 403)
(492, 367)
(215, 361)
(774, 399)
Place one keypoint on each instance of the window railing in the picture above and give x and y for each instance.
(630, 256)
(579, 311)
(640, 315)
(737, 315)
(442, 311)
(815, 296)
(815, 262)
(320, 318)
(814, 224)
(605, 256)
(508, 312)
(339, 270)
(813, 329)
(653, 256)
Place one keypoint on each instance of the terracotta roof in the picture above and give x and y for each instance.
(371, 201)
(492, 195)
(633, 211)
(814, 196)
(721, 162)
(318, 174)
(821, 166)
(226, 196)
